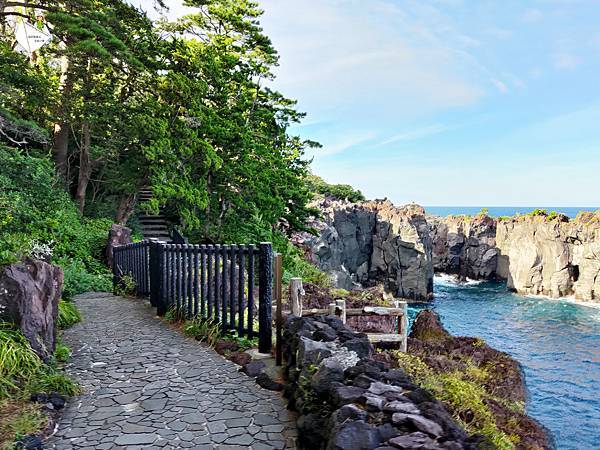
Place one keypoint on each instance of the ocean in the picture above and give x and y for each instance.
(557, 343)
(498, 211)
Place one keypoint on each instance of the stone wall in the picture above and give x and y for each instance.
(349, 401)
(373, 242)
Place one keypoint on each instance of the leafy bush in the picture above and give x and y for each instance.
(68, 314)
(340, 191)
(78, 279)
(49, 379)
(62, 353)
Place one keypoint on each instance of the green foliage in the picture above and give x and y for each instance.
(62, 353)
(340, 191)
(205, 330)
(484, 212)
(68, 314)
(175, 315)
(464, 394)
(126, 286)
(22, 372)
(18, 362)
(243, 342)
(79, 280)
(50, 379)
(17, 419)
(537, 212)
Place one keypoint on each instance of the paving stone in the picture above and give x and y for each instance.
(141, 377)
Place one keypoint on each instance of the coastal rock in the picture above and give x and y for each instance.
(465, 246)
(552, 257)
(538, 254)
(29, 296)
(360, 244)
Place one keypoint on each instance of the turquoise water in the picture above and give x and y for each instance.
(557, 343)
(497, 211)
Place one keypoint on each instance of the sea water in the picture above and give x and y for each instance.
(557, 343)
(499, 211)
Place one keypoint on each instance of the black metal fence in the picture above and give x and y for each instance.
(217, 282)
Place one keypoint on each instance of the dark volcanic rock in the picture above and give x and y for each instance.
(264, 381)
(29, 296)
(428, 327)
(254, 368)
(29, 442)
(356, 435)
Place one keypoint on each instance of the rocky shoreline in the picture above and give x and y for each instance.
(369, 243)
(350, 397)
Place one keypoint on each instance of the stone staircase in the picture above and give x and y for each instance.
(153, 226)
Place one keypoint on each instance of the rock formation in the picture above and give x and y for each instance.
(465, 246)
(117, 235)
(29, 296)
(349, 401)
(535, 254)
(373, 242)
(551, 256)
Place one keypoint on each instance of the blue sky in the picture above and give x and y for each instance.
(447, 102)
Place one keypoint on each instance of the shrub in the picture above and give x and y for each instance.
(319, 186)
(68, 314)
(78, 279)
(62, 353)
(49, 379)
(205, 330)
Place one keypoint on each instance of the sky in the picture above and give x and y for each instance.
(446, 102)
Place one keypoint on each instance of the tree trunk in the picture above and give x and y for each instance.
(60, 150)
(85, 166)
(125, 208)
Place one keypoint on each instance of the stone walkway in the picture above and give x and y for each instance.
(146, 386)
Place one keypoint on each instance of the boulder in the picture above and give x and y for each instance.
(428, 327)
(414, 441)
(29, 296)
(253, 368)
(117, 235)
(355, 435)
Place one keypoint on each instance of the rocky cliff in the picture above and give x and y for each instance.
(465, 246)
(551, 256)
(536, 254)
(373, 242)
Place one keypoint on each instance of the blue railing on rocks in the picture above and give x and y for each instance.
(217, 282)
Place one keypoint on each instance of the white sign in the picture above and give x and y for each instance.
(30, 38)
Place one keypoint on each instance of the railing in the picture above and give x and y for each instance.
(215, 282)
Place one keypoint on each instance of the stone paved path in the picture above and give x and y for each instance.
(146, 387)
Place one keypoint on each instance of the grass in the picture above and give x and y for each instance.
(464, 394)
(18, 418)
(68, 314)
(23, 373)
(204, 330)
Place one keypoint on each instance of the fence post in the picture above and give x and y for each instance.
(265, 286)
(115, 269)
(296, 293)
(279, 314)
(155, 273)
(161, 268)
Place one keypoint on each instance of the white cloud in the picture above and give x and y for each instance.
(344, 143)
(500, 85)
(393, 61)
